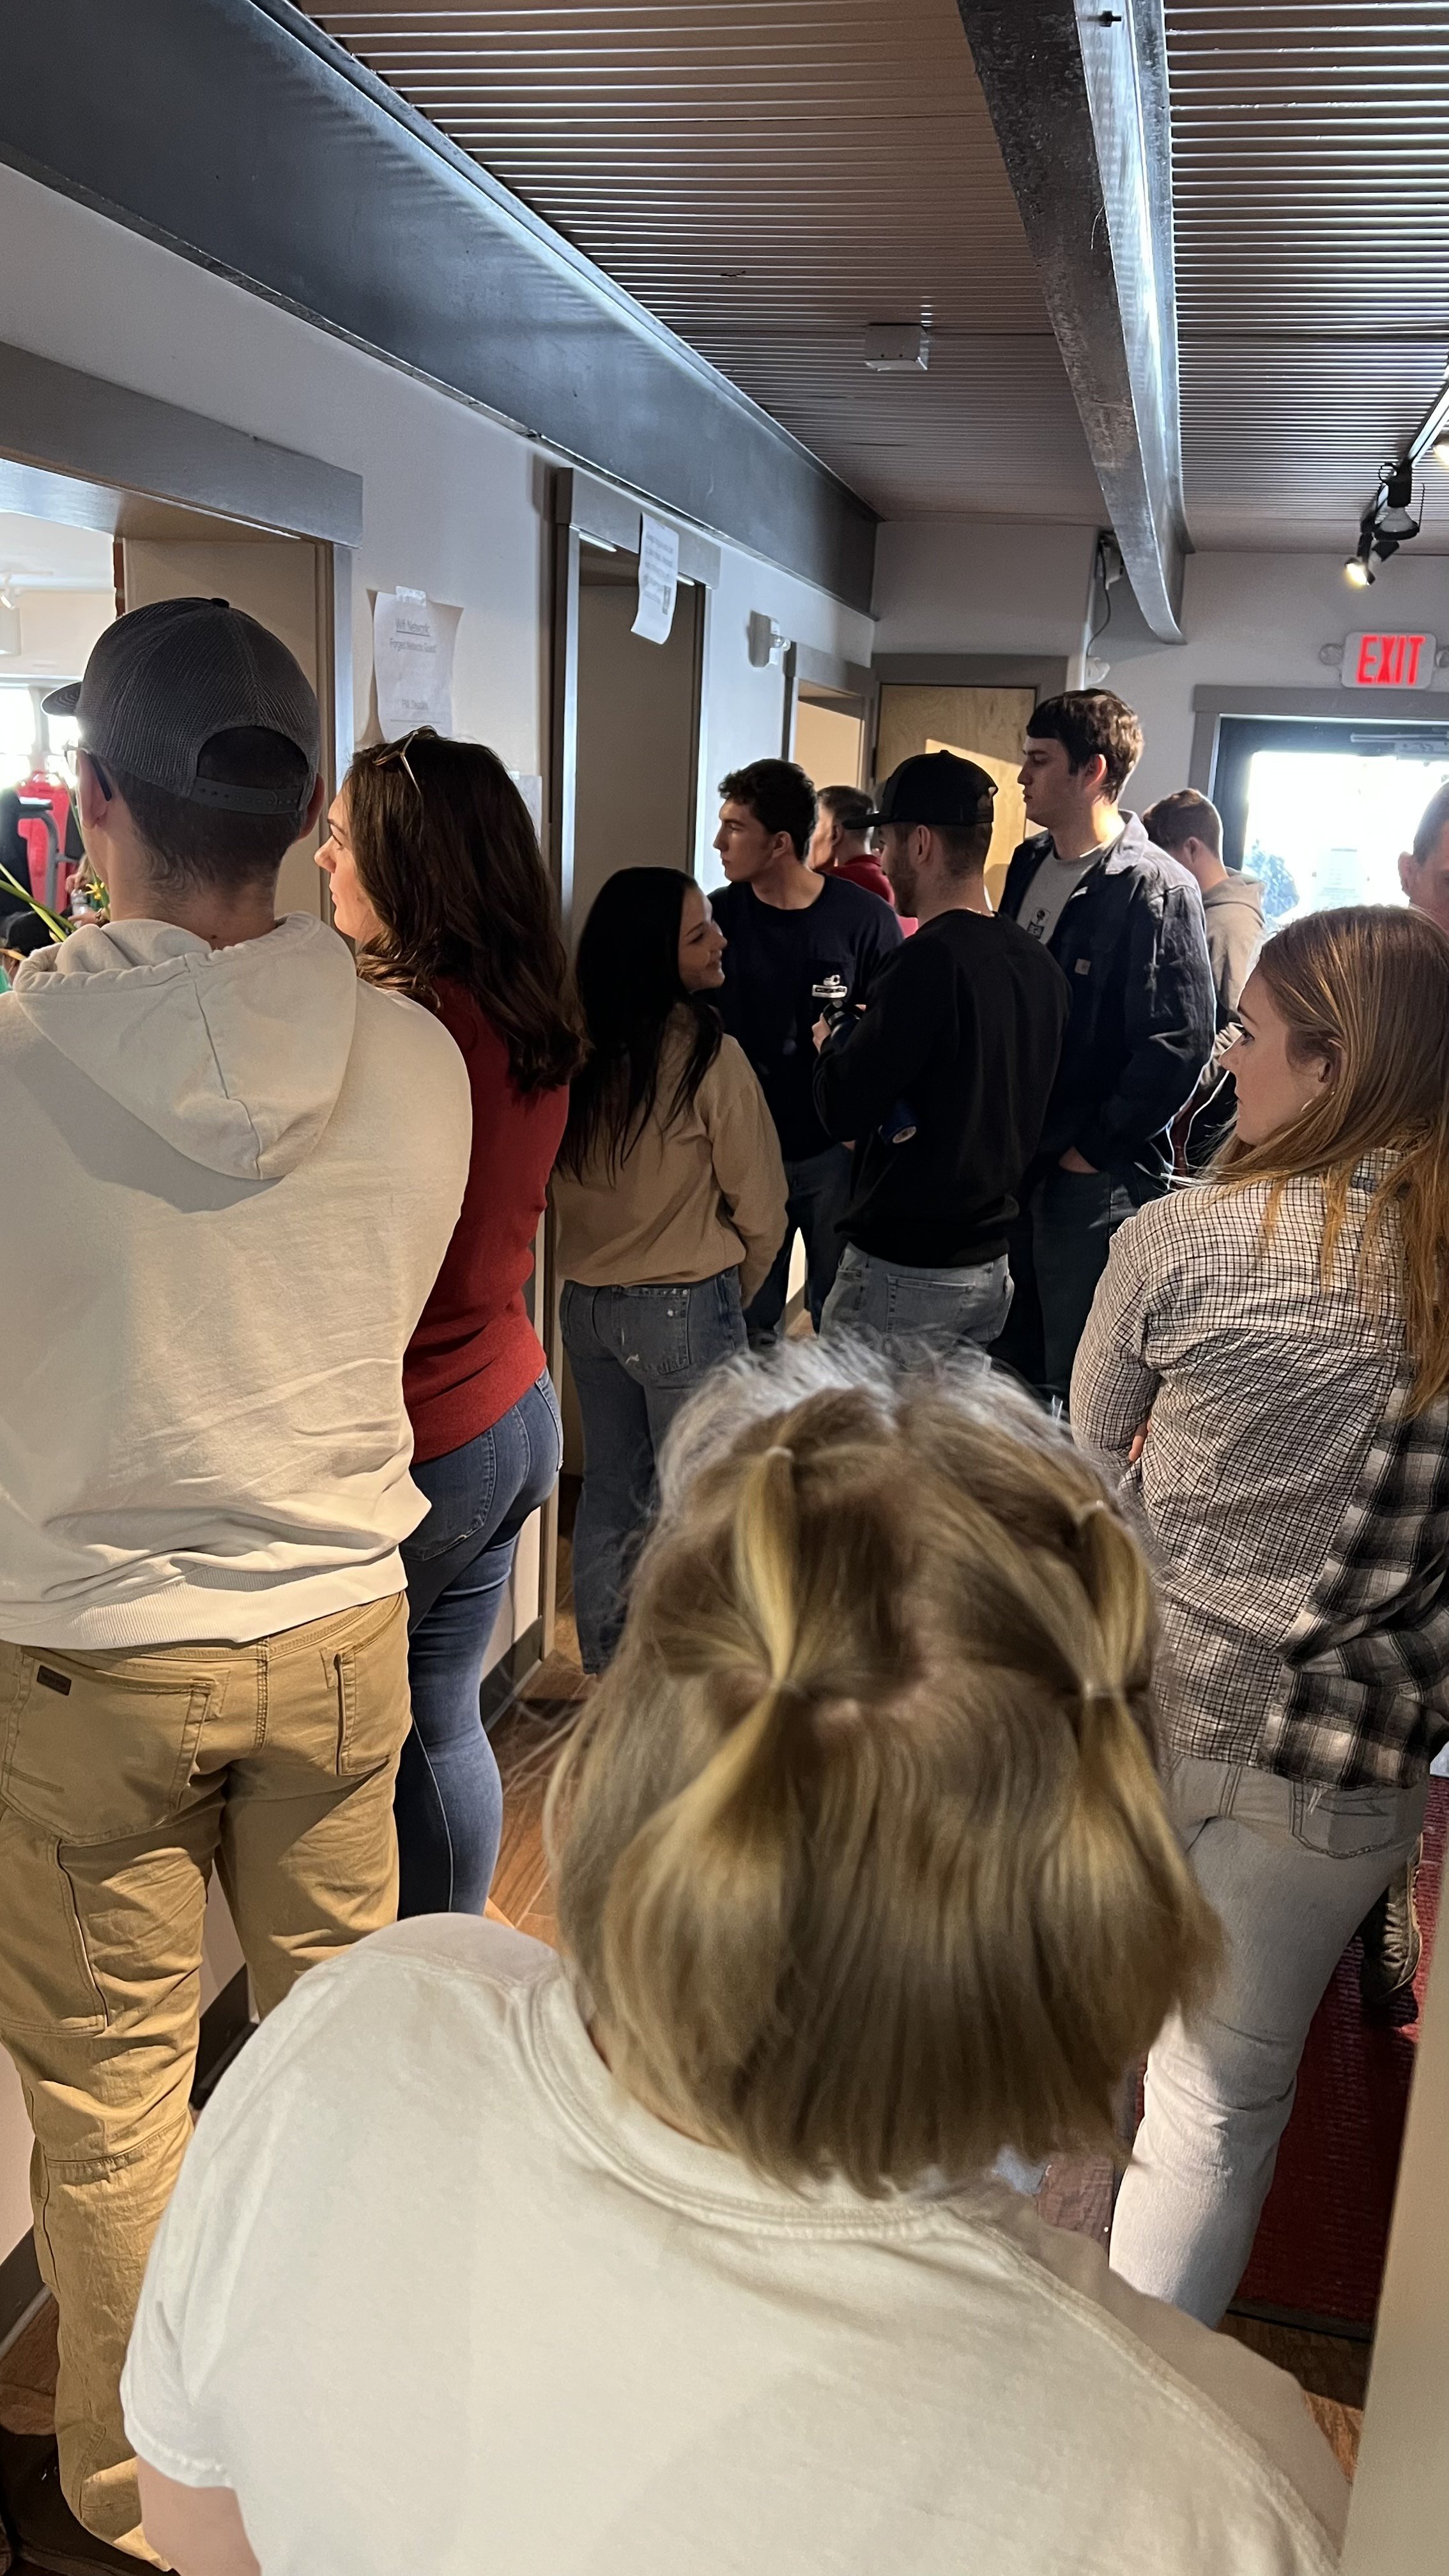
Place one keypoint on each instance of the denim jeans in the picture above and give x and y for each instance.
(637, 1355)
(904, 1310)
(818, 1189)
(1058, 1252)
(449, 1801)
(1290, 1870)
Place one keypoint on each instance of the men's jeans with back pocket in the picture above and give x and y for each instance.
(124, 1779)
(910, 1312)
(637, 1355)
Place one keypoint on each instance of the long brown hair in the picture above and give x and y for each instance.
(860, 1848)
(1366, 989)
(447, 856)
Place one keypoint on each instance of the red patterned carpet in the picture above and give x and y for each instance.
(1319, 2255)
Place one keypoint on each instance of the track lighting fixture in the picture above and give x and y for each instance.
(1359, 567)
(1389, 523)
(1395, 519)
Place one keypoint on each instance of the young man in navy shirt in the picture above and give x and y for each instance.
(791, 932)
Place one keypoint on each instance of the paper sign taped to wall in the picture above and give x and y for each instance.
(412, 654)
(658, 579)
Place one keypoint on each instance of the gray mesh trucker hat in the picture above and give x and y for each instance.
(163, 680)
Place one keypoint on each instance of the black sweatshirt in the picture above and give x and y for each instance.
(964, 1026)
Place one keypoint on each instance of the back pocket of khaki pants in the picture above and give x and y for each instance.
(373, 1709)
(96, 1752)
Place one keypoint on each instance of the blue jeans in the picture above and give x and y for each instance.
(819, 1194)
(1058, 1252)
(449, 1800)
(904, 1310)
(637, 1355)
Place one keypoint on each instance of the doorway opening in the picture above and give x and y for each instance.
(637, 756)
(73, 559)
(1319, 809)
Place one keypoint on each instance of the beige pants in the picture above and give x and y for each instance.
(123, 1779)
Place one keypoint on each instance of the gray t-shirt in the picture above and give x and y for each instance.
(1047, 895)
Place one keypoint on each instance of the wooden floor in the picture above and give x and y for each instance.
(1077, 2193)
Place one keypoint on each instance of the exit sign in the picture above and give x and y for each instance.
(1388, 661)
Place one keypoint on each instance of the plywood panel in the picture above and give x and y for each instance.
(984, 725)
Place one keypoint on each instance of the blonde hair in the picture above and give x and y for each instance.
(1367, 988)
(860, 1848)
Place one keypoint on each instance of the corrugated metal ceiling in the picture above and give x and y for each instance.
(1311, 204)
(770, 176)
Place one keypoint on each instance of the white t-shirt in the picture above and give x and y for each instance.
(1051, 890)
(434, 2293)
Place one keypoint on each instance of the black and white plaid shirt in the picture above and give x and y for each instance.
(1298, 1517)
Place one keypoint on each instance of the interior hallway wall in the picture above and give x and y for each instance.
(57, 630)
(1260, 620)
(1256, 619)
(981, 586)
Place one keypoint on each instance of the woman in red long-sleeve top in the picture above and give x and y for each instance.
(436, 874)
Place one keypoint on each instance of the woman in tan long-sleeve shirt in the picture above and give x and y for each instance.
(670, 1199)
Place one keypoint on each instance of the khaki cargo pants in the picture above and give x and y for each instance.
(123, 1779)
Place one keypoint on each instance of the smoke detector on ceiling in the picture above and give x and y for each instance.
(894, 348)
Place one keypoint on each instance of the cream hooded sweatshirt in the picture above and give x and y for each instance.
(227, 1180)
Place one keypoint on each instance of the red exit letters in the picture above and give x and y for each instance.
(1388, 661)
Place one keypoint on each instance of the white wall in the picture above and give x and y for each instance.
(1257, 620)
(744, 708)
(1260, 620)
(979, 586)
(449, 503)
(58, 628)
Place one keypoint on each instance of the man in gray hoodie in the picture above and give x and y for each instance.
(1190, 827)
(229, 1173)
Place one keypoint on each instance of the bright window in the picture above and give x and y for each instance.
(1327, 827)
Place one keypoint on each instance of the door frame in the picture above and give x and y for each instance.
(585, 511)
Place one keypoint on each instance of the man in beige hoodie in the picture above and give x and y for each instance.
(229, 1174)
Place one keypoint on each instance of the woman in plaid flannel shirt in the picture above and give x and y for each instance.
(1268, 1357)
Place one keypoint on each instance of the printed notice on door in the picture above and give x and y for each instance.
(658, 580)
(412, 653)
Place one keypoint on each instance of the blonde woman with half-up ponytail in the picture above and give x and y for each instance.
(684, 2253)
(1268, 1358)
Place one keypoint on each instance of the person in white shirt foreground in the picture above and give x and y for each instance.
(682, 2254)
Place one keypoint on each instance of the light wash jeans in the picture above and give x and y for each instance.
(1290, 1870)
(904, 1310)
(637, 1355)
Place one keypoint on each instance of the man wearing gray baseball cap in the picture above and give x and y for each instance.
(229, 1173)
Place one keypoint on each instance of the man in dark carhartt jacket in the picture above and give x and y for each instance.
(1125, 923)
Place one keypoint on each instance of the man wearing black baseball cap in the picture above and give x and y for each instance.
(942, 1082)
(229, 1172)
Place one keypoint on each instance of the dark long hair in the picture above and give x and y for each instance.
(447, 856)
(628, 976)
